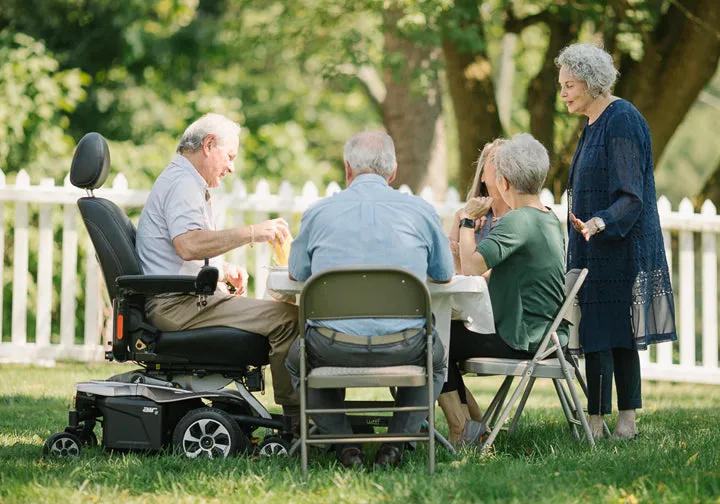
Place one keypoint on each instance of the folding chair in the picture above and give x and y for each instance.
(365, 292)
(561, 370)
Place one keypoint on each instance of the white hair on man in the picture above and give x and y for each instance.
(524, 162)
(590, 64)
(223, 128)
(371, 152)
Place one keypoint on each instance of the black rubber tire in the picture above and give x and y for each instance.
(208, 433)
(88, 438)
(62, 445)
(274, 446)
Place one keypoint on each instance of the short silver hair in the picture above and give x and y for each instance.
(210, 124)
(590, 64)
(524, 162)
(371, 152)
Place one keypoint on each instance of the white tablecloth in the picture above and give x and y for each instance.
(466, 294)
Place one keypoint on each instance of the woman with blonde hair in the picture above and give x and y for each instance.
(459, 405)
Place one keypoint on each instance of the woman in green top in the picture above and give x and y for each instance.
(526, 252)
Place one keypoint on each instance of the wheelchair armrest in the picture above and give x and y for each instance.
(205, 283)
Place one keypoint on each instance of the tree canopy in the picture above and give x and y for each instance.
(442, 76)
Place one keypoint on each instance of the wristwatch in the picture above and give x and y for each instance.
(599, 223)
(468, 223)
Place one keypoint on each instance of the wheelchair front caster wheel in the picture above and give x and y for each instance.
(274, 446)
(62, 445)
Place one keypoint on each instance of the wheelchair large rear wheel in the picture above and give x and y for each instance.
(208, 433)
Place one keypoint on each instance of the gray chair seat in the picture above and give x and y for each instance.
(343, 377)
(549, 368)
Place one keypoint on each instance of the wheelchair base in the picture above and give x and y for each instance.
(143, 412)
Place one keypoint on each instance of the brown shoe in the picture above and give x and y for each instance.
(351, 457)
(387, 456)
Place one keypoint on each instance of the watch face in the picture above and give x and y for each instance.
(468, 223)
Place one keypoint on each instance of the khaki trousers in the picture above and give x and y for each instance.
(275, 320)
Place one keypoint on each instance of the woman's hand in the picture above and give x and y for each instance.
(476, 208)
(586, 229)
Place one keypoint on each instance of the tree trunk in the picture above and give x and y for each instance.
(413, 114)
(469, 76)
(541, 99)
(681, 56)
(711, 190)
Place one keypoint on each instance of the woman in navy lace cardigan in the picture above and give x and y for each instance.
(614, 231)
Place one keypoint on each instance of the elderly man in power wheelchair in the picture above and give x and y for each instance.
(174, 316)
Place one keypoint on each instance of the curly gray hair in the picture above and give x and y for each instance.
(590, 64)
(524, 162)
(210, 124)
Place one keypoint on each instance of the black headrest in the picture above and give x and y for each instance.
(91, 162)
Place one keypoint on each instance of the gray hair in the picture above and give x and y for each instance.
(371, 152)
(524, 162)
(590, 64)
(210, 124)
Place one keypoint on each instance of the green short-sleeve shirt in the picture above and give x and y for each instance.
(526, 252)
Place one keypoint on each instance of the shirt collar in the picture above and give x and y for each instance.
(183, 163)
(368, 178)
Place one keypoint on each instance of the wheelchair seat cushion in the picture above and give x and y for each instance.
(216, 346)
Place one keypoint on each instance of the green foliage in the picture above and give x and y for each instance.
(38, 99)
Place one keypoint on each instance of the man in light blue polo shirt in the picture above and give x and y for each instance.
(370, 223)
(177, 231)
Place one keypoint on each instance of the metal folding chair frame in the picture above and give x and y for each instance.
(563, 371)
(365, 292)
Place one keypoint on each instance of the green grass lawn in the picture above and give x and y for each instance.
(677, 458)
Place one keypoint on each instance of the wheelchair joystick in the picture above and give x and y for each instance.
(206, 282)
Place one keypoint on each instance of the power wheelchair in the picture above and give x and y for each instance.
(176, 399)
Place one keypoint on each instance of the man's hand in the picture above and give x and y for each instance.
(476, 208)
(271, 230)
(587, 229)
(237, 277)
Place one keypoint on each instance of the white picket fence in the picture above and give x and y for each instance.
(668, 361)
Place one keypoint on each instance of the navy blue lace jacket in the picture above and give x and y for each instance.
(627, 299)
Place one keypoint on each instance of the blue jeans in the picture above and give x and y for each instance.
(322, 351)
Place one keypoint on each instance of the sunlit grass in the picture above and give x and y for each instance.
(677, 459)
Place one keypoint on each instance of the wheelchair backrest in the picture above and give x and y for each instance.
(111, 231)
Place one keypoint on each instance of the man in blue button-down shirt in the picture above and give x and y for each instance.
(370, 223)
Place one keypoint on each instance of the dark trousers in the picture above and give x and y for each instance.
(465, 344)
(599, 369)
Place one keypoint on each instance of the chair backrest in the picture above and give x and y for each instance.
(111, 231)
(365, 292)
(573, 281)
